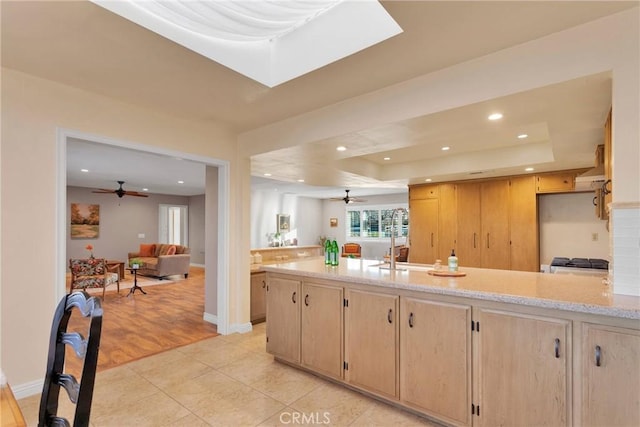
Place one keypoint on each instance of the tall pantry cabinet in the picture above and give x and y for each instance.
(490, 223)
(432, 232)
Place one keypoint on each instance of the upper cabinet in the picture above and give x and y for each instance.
(561, 182)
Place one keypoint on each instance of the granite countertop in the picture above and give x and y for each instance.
(577, 293)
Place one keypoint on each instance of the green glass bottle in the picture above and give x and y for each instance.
(327, 252)
(334, 253)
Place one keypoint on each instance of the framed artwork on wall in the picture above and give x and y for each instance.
(333, 222)
(85, 221)
(284, 223)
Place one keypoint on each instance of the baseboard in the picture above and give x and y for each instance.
(240, 328)
(211, 318)
(196, 265)
(21, 391)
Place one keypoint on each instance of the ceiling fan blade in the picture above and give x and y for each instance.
(102, 190)
(135, 194)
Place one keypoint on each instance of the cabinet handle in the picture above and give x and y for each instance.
(474, 240)
(389, 318)
(605, 190)
(487, 240)
(306, 300)
(557, 348)
(264, 284)
(595, 203)
(411, 320)
(293, 297)
(431, 239)
(598, 355)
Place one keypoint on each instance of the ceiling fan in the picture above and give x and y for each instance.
(120, 191)
(347, 198)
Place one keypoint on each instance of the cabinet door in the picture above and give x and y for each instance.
(523, 370)
(523, 219)
(494, 214)
(435, 359)
(608, 164)
(258, 297)
(610, 376)
(423, 218)
(283, 312)
(555, 183)
(322, 328)
(468, 223)
(447, 221)
(371, 341)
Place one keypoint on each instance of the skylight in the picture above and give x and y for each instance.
(268, 41)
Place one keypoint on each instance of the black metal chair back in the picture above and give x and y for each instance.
(80, 393)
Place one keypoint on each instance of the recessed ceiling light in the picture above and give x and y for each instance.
(529, 170)
(301, 180)
(522, 136)
(341, 148)
(446, 148)
(267, 174)
(387, 158)
(180, 182)
(427, 180)
(145, 189)
(495, 116)
(84, 170)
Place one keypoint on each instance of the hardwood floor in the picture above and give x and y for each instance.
(140, 325)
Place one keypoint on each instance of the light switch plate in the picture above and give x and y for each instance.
(140, 235)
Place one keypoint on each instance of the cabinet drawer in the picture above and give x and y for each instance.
(424, 192)
(555, 183)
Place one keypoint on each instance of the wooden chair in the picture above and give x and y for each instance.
(351, 250)
(81, 394)
(92, 273)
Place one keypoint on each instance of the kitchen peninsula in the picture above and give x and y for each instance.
(495, 347)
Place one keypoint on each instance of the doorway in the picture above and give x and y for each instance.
(216, 285)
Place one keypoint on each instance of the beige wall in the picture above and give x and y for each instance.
(33, 111)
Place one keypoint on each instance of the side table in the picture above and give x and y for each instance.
(135, 282)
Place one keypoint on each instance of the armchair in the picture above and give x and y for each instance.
(92, 273)
(351, 250)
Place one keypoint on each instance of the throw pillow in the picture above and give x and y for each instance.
(147, 250)
(172, 250)
(164, 249)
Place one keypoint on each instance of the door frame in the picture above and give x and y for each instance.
(221, 285)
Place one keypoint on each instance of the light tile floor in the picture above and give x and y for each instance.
(225, 381)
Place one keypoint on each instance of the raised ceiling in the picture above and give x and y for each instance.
(82, 45)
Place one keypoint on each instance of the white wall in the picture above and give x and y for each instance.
(305, 217)
(567, 223)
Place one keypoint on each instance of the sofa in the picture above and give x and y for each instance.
(162, 259)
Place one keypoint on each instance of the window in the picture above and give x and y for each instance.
(374, 222)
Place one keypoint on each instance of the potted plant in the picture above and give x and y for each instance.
(135, 263)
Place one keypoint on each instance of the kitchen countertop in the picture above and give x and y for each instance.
(569, 292)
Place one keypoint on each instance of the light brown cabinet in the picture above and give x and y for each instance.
(562, 182)
(423, 235)
(523, 231)
(610, 376)
(371, 342)
(483, 224)
(494, 217)
(258, 297)
(321, 330)
(608, 166)
(435, 358)
(523, 369)
(447, 221)
(283, 312)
